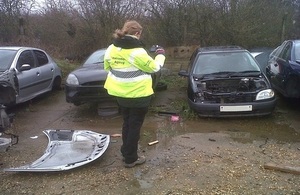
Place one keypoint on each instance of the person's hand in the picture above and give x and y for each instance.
(160, 51)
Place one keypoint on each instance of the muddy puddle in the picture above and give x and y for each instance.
(241, 130)
(52, 112)
(162, 129)
(192, 156)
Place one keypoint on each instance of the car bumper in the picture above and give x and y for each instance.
(260, 108)
(83, 94)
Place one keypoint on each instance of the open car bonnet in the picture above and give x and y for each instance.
(68, 149)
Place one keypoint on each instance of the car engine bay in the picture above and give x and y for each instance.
(233, 90)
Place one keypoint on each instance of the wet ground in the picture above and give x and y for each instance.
(193, 155)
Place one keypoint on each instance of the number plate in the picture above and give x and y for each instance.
(235, 108)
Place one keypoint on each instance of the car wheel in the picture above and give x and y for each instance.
(108, 108)
(56, 84)
(161, 86)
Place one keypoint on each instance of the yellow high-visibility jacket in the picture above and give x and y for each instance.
(129, 71)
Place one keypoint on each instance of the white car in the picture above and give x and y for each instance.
(25, 73)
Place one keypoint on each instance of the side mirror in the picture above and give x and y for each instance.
(25, 67)
(183, 73)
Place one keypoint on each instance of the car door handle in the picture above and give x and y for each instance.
(37, 74)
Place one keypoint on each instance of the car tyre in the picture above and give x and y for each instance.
(56, 84)
(108, 108)
(161, 86)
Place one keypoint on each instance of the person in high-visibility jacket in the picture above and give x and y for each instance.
(129, 79)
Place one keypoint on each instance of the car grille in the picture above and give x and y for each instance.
(231, 90)
(230, 98)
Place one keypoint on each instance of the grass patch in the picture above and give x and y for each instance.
(66, 66)
(184, 110)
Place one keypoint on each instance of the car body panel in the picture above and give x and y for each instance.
(27, 87)
(225, 82)
(283, 69)
(86, 74)
(91, 85)
(262, 56)
(67, 149)
(33, 72)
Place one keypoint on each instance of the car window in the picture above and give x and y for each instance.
(225, 62)
(286, 52)
(297, 51)
(41, 57)
(6, 58)
(96, 57)
(26, 57)
(276, 52)
(192, 59)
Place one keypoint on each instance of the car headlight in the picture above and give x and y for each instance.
(265, 94)
(72, 80)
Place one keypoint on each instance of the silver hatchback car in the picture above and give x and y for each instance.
(25, 73)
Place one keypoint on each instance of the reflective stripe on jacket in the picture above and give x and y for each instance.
(129, 71)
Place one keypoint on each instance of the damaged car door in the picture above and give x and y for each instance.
(28, 75)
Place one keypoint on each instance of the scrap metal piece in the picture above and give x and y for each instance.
(4, 119)
(4, 144)
(68, 149)
(152, 143)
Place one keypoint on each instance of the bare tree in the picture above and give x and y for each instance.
(77, 27)
(10, 11)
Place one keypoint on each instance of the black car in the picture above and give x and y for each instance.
(283, 69)
(86, 83)
(227, 81)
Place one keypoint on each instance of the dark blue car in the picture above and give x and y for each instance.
(283, 69)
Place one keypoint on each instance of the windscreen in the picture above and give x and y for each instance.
(6, 58)
(96, 57)
(225, 62)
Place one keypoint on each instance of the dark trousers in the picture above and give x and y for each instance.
(133, 119)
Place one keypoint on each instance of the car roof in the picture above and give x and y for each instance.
(294, 41)
(219, 49)
(16, 48)
(297, 41)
